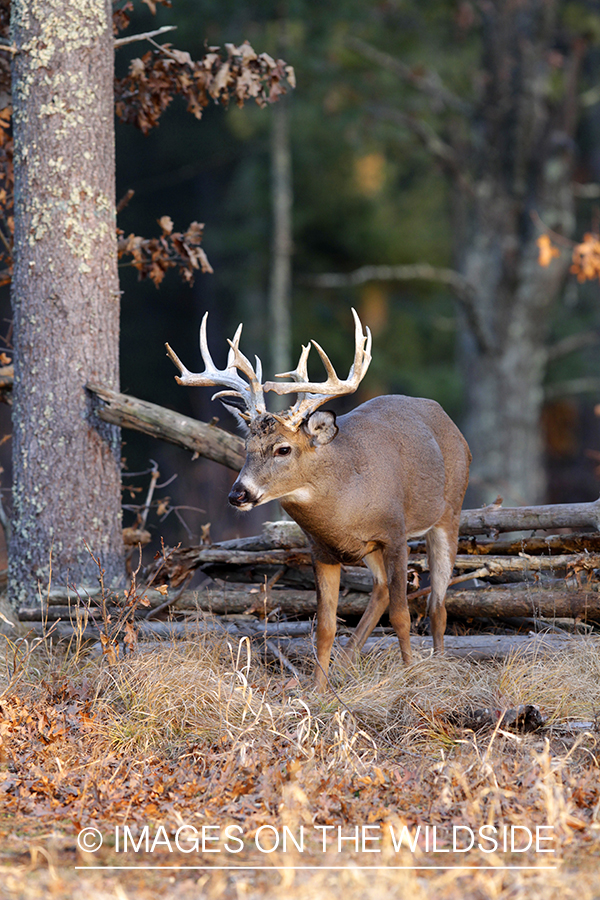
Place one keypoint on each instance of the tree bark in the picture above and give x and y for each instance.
(65, 296)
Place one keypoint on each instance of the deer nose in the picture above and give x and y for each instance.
(238, 496)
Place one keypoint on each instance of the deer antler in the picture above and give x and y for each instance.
(251, 393)
(311, 395)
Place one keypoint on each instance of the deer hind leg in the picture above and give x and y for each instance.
(377, 605)
(327, 578)
(441, 553)
(397, 568)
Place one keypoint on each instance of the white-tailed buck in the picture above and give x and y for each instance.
(359, 486)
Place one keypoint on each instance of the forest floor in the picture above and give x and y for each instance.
(194, 771)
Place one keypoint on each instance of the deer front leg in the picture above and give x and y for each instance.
(327, 578)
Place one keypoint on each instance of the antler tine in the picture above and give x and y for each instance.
(241, 362)
(311, 395)
(228, 378)
(333, 386)
(300, 373)
(204, 351)
(362, 352)
(185, 373)
(236, 341)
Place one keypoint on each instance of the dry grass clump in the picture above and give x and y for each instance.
(202, 692)
(382, 692)
(216, 691)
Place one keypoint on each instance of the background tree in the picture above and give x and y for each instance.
(508, 151)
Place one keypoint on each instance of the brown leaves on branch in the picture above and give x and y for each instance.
(122, 8)
(547, 251)
(153, 80)
(153, 256)
(120, 15)
(585, 260)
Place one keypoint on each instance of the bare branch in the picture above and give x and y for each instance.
(143, 515)
(124, 200)
(588, 191)
(132, 38)
(463, 290)
(429, 83)
(439, 149)
(423, 271)
(589, 385)
(572, 344)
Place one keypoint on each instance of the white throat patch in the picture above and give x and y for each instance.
(300, 495)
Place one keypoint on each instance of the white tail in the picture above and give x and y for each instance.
(359, 486)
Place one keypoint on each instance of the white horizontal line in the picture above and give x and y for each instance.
(275, 868)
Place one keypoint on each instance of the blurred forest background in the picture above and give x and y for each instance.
(387, 95)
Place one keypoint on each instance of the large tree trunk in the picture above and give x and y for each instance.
(65, 296)
(520, 168)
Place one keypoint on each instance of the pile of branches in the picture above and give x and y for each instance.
(541, 579)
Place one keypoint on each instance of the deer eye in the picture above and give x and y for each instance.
(282, 450)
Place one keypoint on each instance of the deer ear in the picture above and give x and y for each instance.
(321, 427)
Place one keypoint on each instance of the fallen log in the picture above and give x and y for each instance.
(205, 440)
(220, 601)
(524, 563)
(510, 601)
(549, 545)
(490, 519)
(484, 646)
(492, 602)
